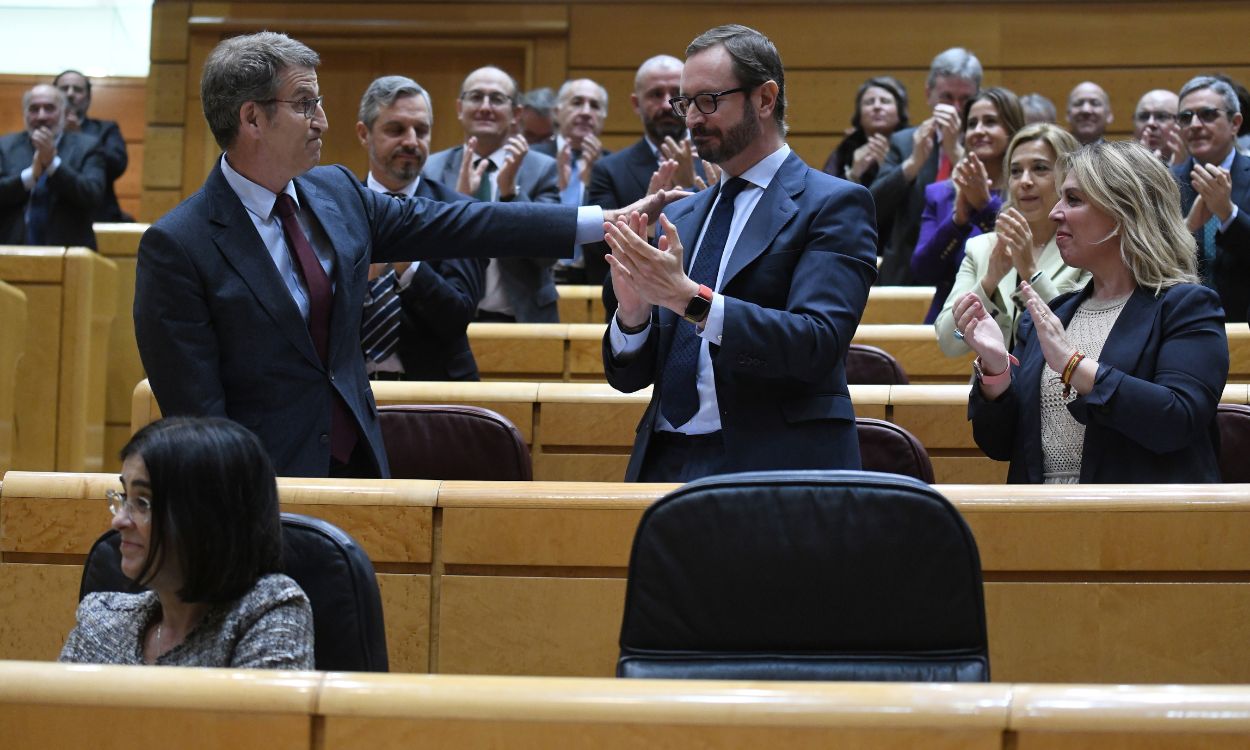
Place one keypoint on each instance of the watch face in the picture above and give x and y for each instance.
(697, 310)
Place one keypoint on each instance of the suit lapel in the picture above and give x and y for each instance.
(1240, 173)
(774, 210)
(236, 239)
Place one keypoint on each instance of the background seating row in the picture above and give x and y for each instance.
(1083, 583)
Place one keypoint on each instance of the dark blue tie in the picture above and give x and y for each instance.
(679, 395)
(37, 212)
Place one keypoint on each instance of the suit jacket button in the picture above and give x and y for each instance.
(325, 439)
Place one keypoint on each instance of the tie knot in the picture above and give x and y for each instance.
(490, 165)
(285, 206)
(397, 196)
(730, 188)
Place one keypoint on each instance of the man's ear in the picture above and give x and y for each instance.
(768, 98)
(249, 117)
(362, 133)
(633, 101)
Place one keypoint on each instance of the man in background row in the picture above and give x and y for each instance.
(51, 181)
(415, 316)
(1154, 126)
(77, 90)
(495, 165)
(1089, 112)
(537, 122)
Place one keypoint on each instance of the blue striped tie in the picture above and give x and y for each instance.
(379, 329)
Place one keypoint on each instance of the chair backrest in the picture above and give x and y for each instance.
(871, 365)
(328, 565)
(886, 447)
(453, 442)
(1234, 424)
(838, 575)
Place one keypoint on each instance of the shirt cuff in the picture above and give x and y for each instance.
(589, 225)
(625, 344)
(28, 178)
(56, 164)
(1223, 226)
(406, 278)
(714, 325)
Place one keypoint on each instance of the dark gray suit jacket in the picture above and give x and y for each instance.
(219, 333)
(113, 148)
(900, 204)
(1229, 273)
(528, 282)
(77, 189)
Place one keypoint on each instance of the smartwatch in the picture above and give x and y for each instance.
(699, 306)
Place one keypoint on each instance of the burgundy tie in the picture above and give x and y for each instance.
(343, 435)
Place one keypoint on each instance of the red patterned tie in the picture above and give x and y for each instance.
(944, 168)
(343, 435)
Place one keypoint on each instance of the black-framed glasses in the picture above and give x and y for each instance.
(479, 98)
(138, 508)
(705, 103)
(1146, 116)
(306, 107)
(1208, 115)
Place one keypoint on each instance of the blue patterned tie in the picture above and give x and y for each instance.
(37, 212)
(1209, 248)
(679, 395)
(379, 331)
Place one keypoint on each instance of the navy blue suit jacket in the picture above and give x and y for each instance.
(220, 335)
(1151, 415)
(76, 189)
(1230, 271)
(795, 288)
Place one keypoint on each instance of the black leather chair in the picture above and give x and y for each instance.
(453, 442)
(870, 365)
(1234, 424)
(839, 575)
(334, 572)
(886, 447)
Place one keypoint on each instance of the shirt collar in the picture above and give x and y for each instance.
(409, 190)
(259, 200)
(762, 172)
(1228, 160)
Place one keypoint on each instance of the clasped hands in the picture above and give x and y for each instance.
(471, 176)
(590, 151)
(677, 167)
(1013, 248)
(1214, 186)
(972, 188)
(44, 142)
(983, 335)
(643, 275)
(945, 120)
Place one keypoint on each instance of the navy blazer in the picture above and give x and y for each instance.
(1230, 271)
(528, 283)
(220, 335)
(795, 287)
(901, 203)
(113, 149)
(76, 189)
(1151, 415)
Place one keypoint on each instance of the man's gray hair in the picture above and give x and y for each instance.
(659, 62)
(565, 92)
(61, 100)
(245, 69)
(541, 100)
(955, 62)
(384, 91)
(1226, 92)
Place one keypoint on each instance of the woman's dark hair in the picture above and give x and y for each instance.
(1006, 104)
(214, 505)
(891, 84)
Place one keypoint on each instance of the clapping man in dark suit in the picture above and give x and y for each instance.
(51, 181)
(496, 165)
(922, 155)
(415, 314)
(248, 294)
(77, 90)
(1215, 190)
(742, 317)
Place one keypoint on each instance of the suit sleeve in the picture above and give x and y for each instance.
(941, 241)
(12, 192)
(633, 373)
(443, 295)
(1236, 239)
(81, 182)
(113, 148)
(174, 329)
(828, 291)
(1170, 411)
(891, 185)
(544, 190)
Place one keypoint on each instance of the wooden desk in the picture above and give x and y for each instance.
(120, 244)
(60, 384)
(12, 347)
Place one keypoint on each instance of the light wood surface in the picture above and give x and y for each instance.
(1094, 583)
(120, 244)
(12, 347)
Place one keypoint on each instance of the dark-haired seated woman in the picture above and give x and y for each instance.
(200, 529)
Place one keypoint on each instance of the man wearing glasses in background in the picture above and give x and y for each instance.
(494, 165)
(1215, 190)
(248, 294)
(1154, 126)
(742, 317)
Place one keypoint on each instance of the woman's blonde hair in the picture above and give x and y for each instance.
(1061, 142)
(1132, 186)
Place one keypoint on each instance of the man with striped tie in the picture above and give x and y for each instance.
(415, 314)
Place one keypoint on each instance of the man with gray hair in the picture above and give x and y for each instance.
(1215, 190)
(248, 294)
(51, 181)
(537, 122)
(922, 155)
(416, 314)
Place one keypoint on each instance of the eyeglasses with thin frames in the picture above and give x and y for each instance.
(1207, 115)
(138, 508)
(706, 102)
(1146, 116)
(478, 98)
(306, 107)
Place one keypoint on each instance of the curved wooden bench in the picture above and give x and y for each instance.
(12, 347)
